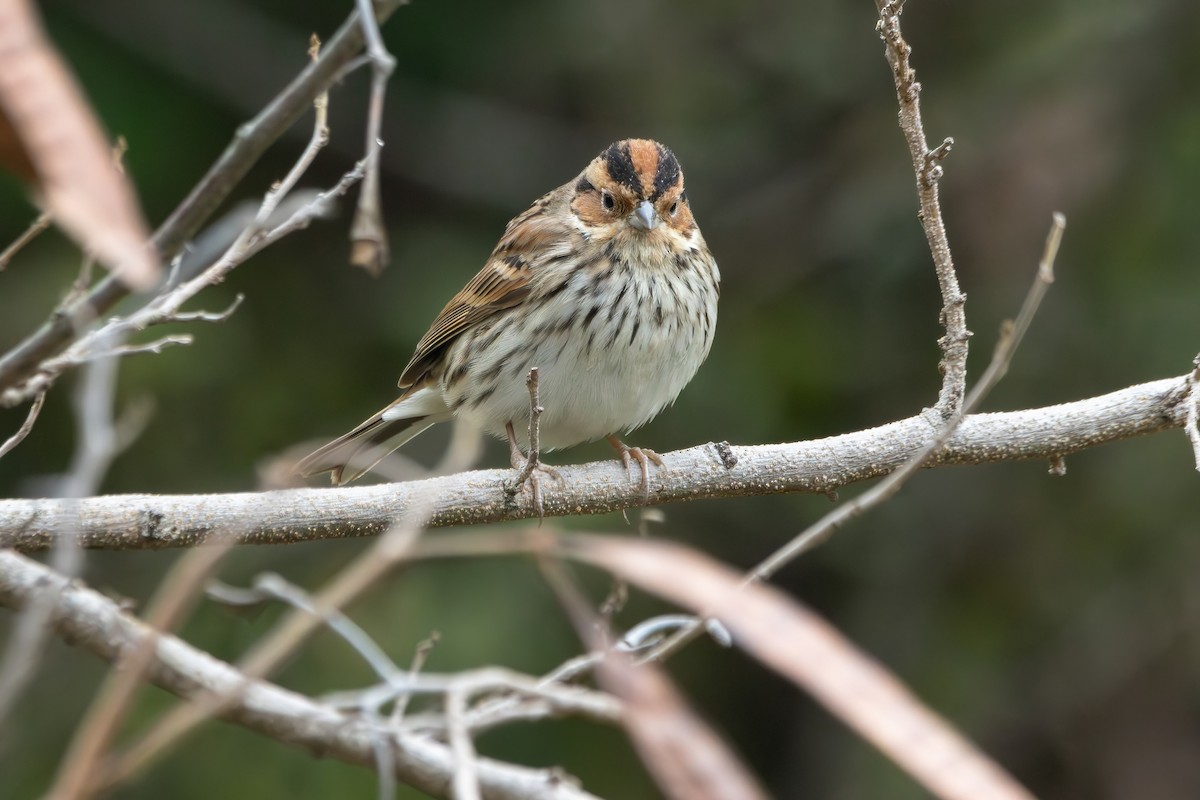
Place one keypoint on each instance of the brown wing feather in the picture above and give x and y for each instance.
(502, 283)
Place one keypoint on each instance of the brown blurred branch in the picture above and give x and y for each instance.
(249, 143)
(711, 470)
(96, 623)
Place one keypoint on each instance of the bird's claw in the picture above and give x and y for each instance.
(643, 456)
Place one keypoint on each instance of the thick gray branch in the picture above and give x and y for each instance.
(711, 470)
(95, 623)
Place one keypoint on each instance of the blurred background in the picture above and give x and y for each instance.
(1054, 619)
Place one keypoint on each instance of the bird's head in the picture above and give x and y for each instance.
(635, 188)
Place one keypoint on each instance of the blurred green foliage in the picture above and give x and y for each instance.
(1053, 619)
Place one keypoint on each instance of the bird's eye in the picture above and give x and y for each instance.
(674, 209)
(607, 201)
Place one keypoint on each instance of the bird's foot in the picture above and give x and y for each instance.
(643, 456)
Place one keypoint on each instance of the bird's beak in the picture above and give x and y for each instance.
(644, 216)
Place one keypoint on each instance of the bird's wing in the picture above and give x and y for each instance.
(503, 282)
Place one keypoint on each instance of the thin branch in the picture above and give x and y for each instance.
(472, 498)
(209, 316)
(368, 234)
(276, 587)
(35, 408)
(36, 227)
(155, 347)
(928, 169)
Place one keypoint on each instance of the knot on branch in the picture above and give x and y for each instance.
(932, 170)
(728, 458)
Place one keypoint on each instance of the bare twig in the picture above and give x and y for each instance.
(36, 227)
(368, 234)
(155, 347)
(209, 316)
(271, 586)
(928, 169)
(35, 408)
(250, 142)
(276, 587)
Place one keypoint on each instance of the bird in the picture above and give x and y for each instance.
(605, 285)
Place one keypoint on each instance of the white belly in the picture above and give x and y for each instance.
(598, 375)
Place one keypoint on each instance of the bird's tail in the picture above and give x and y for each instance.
(350, 456)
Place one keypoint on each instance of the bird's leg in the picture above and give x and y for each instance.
(530, 466)
(642, 455)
